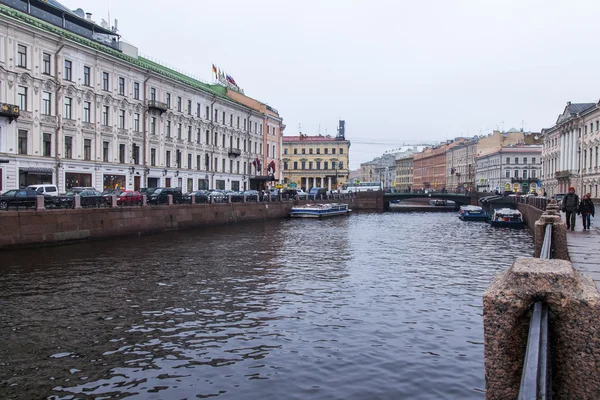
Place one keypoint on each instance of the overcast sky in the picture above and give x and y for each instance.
(396, 71)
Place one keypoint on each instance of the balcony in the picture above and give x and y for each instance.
(9, 111)
(523, 180)
(562, 174)
(234, 152)
(158, 105)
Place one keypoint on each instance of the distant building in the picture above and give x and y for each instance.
(404, 171)
(316, 161)
(570, 152)
(515, 167)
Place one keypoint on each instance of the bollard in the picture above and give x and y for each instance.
(559, 232)
(193, 198)
(229, 198)
(39, 203)
(76, 201)
(144, 200)
(244, 198)
(170, 199)
(113, 201)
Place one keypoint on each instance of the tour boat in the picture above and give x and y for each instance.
(319, 210)
(473, 213)
(507, 218)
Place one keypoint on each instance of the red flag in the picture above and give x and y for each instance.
(214, 69)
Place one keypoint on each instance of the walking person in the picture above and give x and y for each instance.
(587, 210)
(570, 205)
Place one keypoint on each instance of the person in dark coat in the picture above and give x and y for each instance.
(587, 210)
(570, 205)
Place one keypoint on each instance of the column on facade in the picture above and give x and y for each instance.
(329, 183)
(575, 161)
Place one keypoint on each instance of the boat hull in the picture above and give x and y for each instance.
(306, 214)
(508, 224)
(481, 218)
(320, 211)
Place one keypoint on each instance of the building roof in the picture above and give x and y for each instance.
(578, 107)
(305, 138)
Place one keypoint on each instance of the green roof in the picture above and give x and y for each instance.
(139, 62)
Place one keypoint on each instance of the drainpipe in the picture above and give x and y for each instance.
(145, 148)
(56, 108)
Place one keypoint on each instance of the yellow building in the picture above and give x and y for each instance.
(315, 161)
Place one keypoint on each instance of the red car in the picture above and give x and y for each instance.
(129, 198)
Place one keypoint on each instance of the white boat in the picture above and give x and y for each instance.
(319, 210)
(507, 218)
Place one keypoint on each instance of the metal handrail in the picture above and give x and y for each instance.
(536, 377)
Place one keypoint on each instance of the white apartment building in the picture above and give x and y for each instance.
(570, 151)
(92, 112)
(515, 167)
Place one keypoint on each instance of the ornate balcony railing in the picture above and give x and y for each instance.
(158, 105)
(235, 152)
(562, 174)
(9, 111)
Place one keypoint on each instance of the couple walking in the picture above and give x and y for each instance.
(572, 206)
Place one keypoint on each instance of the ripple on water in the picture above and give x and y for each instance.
(371, 306)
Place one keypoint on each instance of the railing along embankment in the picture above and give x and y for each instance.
(541, 319)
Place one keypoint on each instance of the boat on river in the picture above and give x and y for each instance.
(473, 213)
(319, 210)
(507, 218)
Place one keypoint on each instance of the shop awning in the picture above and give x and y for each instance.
(37, 170)
(263, 178)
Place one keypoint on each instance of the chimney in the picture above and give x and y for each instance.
(88, 16)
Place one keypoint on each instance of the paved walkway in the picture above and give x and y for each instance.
(584, 248)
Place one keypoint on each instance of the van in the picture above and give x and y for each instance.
(317, 192)
(45, 189)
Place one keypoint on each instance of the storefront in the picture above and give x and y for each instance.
(75, 179)
(34, 176)
(113, 182)
(202, 184)
(153, 182)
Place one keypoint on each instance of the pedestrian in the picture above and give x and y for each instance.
(587, 210)
(570, 205)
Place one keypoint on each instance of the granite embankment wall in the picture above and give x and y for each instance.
(530, 214)
(34, 228)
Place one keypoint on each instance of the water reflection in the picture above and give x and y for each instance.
(371, 306)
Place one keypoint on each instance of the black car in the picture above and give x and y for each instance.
(160, 196)
(20, 198)
(88, 198)
(201, 196)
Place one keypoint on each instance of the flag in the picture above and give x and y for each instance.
(214, 69)
(272, 166)
(257, 164)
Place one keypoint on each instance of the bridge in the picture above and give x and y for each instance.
(459, 199)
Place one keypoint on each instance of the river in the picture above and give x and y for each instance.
(371, 306)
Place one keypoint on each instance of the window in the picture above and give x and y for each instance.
(326, 151)
(105, 115)
(68, 108)
(207, 112)
(68, 147)
(135, 153)
(533, 160)
(245, 125)
(516, 160)
(153, 126)
(22, 94)
(47, 103)
(153, 157)
(198, 135)
(524, 160)
(168, 129)
(168, 100)
(303, 151)
(318, 150)
(231, 120)
(274, 155)
(332, 151)
(179, 103)
(216, 115)
(178, 131)
(285, 166)
(22, 141)
(341, 151)
(178, 158)
(310, 151)
(87, 149)
(136, 90)
(295, 164)
(303, 164)
(318, 164)
(507, 173)
(136, 122)
(189, 133)
(68, 70)
(507, 161)
(122, 153)
(516, 173)
(325, 165)
(47, 145)
(223, 165)
(122, 119)
(87, 79)
(189, 164)
(122, 86)
(22, 56)
(198, 110)
(105, 151)
(533, 174)
(105, 81)
(238, 122)
(341, 165)
(46, 63)
(207, 137)
(295, 151)
(189, 107)
(87, 111)
(223, 120)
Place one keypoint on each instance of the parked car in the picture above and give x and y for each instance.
(558, 197)
(160, 196)
(129, 198)
(19, 198)
(44, 189)
(88, 198)
(200, 195)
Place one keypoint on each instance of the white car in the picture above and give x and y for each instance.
(45, 189)
(301, 193)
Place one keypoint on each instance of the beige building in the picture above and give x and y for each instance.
(316, 161)
(404, 172)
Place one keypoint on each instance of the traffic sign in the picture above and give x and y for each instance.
(292, 185)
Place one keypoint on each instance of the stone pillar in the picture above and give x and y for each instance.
(113, 201)
(76, 201)
(229, 198)
(144, 200)
(193, 196)
(244, 197)
(329, 184)
(39, 203)
(559, 232)
(574, 320)
(170, 199)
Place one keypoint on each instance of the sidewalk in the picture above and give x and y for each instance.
(583, 248)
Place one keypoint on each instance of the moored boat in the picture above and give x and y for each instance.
(319, 210)
(473, 213)
(507, 218)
